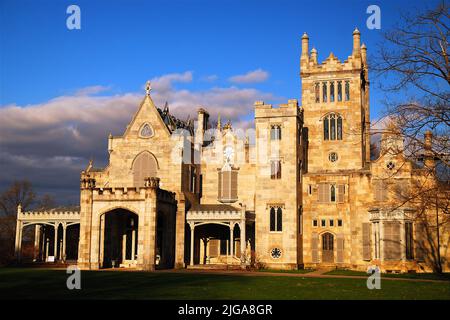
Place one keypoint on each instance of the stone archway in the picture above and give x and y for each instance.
(120, 238)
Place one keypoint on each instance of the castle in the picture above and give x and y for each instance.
(298, 190)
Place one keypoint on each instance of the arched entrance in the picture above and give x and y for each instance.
(327, 248)
(119, 239)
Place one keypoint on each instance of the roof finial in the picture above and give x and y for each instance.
(148, 88)
(219, 125)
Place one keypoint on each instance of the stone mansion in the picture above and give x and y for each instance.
(299, 190)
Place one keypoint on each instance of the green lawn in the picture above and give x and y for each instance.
(51, 284)
(423, 276)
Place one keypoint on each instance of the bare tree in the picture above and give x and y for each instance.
(20, 192)
(413, 63)
(412, 67)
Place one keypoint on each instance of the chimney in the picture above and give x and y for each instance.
(428, 157)
(201, 125)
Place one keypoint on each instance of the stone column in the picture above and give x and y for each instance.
(231, 240)
(243, 242)
(102, 240)
(47, 248)
(18, 246)
(37, 241)
(124, 247)
(55, 247)
(86, 199)
(63, 249)
(180, 231)
(133, 244)
(192, 244)
(147, 227)
(381, 240)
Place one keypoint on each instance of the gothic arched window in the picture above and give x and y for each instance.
(276, 219)
(324, 92)
(332, 127)
(144, 166)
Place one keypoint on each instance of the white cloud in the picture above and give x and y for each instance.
(210, 78)
(87, 91)
(254, 76)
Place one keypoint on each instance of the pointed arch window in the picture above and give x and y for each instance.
(332, 127)
(276, 219)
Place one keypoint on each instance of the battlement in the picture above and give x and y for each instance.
(309, 60)
(289, 109)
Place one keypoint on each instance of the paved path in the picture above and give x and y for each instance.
(313, 274)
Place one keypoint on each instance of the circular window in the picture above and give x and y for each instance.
(333, 156)
(390, 165)
(275, 253)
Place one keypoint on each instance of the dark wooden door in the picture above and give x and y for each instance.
(327, 248)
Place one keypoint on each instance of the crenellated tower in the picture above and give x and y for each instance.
(335, 98)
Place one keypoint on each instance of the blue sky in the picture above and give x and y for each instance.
(62, 91)
(123, 43)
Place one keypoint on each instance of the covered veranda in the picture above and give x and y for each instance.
(51, 228)
(219, 235)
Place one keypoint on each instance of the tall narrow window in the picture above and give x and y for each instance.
(275, 132)
(347, 90)
(339, 128)
(376, 236)
(333, 193)
(272, 219)
(275, 169)
(324, 92)
(339, 91)
(332, 91)
(317, 92)
(279, 219)
(332, 127)
(276, 219)
(326, 129)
